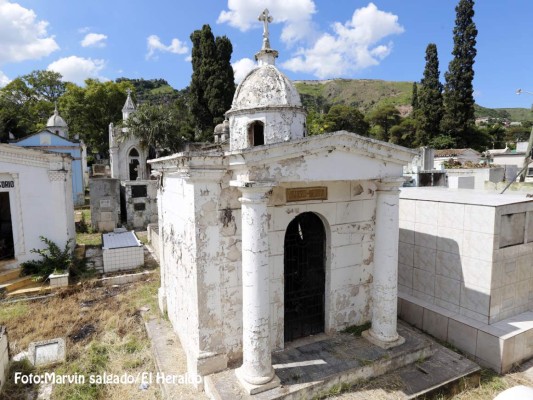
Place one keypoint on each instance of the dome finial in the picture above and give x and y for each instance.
(266, 55)
(266, 18)
(55, 109)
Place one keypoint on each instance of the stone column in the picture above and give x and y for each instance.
(385, 285)
(256, 373)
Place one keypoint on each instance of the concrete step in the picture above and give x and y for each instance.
(339, 364)
(442, 375)
(14, 284)
(9, 275)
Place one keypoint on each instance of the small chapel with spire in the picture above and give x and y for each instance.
(127, 158)
(128, 164)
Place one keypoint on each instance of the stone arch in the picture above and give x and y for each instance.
(305, 273)
(133, 164)
(256, 133)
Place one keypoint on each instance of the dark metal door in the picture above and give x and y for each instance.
(304, 261)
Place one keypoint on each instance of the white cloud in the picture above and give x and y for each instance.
(294, 14)
(77, 69)
(4, 80)
(23, 37)
(242, 67)
(352, 47)
(84, 29)
(154, 44)
(94, 40)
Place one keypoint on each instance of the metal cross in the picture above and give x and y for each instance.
(266, 18)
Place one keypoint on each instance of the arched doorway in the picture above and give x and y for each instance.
(133, 157)
(256, 134)
(305, 276)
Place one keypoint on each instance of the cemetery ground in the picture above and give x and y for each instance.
(104, 329)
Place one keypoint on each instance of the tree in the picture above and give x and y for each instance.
(458, 119)
(404, 133)
(89, 110)
(212, 82)
(341, 117)
(383, 119)
(162, 127)
(414, 97)
(429, 114)
(27, 102)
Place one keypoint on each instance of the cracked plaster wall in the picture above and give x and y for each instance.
(280, 124)
(202, 259)
(139, 219)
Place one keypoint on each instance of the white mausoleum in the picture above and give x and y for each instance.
(35, 200)
(278, 237)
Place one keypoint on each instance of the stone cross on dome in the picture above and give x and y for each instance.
(266, 18)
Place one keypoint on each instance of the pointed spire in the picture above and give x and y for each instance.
(129, 106)
(266, 55)
(56, 112)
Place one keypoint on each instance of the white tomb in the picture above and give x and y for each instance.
(278, 237)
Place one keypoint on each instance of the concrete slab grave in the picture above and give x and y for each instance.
(121, 251)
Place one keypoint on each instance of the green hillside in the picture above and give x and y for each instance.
(367, 94)
(155, 91)
(518, 114)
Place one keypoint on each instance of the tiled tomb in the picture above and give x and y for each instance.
(465, 263)
(121, 251)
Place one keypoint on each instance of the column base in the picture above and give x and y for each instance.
(254, 389)
(382, 343)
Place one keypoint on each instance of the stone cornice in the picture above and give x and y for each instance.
(341, 141)
(191, 160)
(32, 157)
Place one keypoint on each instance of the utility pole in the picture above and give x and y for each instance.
(527, 158)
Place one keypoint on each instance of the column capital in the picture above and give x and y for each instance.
(253, 191)
(389, 184)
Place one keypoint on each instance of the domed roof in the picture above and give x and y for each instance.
(56, 120)
(265, 86)
(222, 127)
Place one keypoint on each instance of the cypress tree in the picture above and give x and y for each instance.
(458, 119)
(430, 99)
(212, 82)
(414, 97)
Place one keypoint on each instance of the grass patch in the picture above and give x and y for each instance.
(13, 310)
(89, 239)
(117, 345)
(16, 391)
(357, 330)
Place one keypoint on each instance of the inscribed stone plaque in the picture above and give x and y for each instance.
(105, 203)
(47, 351)
(304, 194)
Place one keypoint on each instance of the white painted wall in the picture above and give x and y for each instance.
(202, 260)
(41, 201)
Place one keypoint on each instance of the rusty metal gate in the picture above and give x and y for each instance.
(304, 261)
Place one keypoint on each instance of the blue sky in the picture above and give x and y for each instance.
(316, 39)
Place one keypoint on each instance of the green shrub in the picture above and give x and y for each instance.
(53, 260)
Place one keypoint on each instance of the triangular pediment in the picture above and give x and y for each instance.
(335, 156)
(53, 140)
